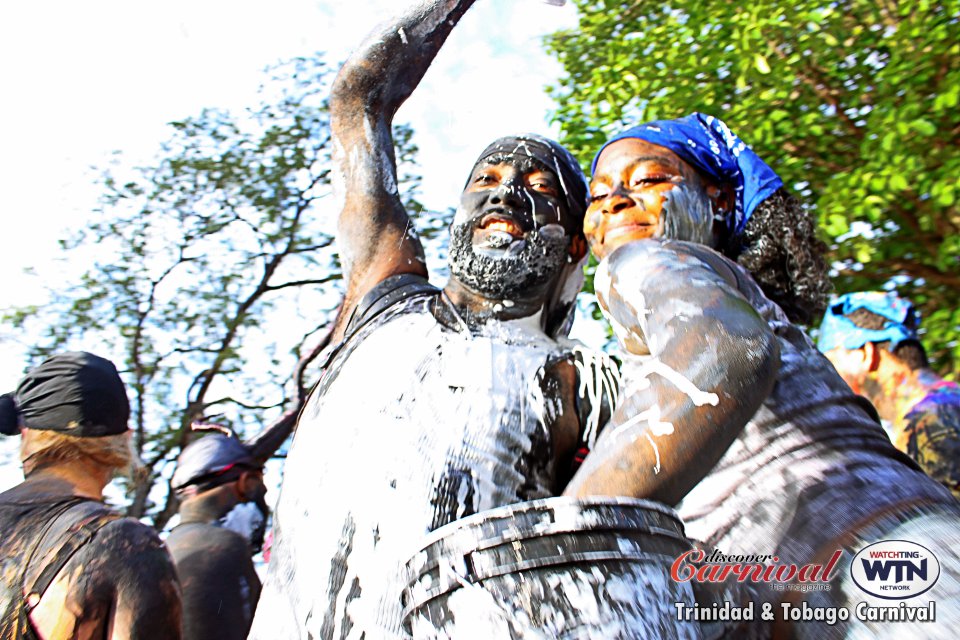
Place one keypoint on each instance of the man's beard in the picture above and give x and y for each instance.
(249, 519)
(529, 262)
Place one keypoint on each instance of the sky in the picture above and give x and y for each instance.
(81, 80)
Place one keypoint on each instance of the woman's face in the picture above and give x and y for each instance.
(631, 198)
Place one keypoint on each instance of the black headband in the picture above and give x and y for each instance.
(75, 393)
(555, 158)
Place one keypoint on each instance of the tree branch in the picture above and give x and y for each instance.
(160, 456)
(230, 400)
(300, 283)
(266, 443)
(313, 247)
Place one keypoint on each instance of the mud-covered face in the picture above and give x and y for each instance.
(642, 190)
(511, 232)
(511, 197)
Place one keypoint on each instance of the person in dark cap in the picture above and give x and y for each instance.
(72, 567)
(871, 338)
(215, 475)
(438, 403)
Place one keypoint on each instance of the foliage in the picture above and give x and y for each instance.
(212, 268)
(854, 103)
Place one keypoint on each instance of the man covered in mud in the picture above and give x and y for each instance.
(438, 403)
(213, 543)
(72, 567)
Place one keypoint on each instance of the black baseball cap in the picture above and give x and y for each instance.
(211, 461)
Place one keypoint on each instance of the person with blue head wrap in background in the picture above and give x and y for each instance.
(871, 338)
(728, 411)
(896, 322)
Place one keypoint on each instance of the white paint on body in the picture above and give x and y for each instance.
(389, 432)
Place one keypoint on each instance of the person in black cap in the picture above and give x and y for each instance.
(215, 475)
(437, 403)
(72, 567)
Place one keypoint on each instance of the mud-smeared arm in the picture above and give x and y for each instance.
(375, 234)
(712, 361)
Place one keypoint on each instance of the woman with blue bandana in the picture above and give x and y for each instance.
(693, 179)
(871, 338)
(729, 412)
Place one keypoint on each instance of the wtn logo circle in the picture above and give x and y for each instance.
(895, 569)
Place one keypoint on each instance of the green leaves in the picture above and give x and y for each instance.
(856, 102)
(760, 62)
(924, 127)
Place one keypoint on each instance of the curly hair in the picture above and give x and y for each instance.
(780, 248)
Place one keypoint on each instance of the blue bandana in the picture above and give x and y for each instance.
(838, 331)
(708, 145)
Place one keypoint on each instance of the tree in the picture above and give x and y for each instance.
(854, 103)
(213, 272)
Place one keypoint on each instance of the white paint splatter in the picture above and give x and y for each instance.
(599, 377)
(681, 382)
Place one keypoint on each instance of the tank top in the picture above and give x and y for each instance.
(39, 536)
(451, 421)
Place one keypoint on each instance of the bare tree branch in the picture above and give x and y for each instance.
(266, 443)
(300, 283)
(229, 400)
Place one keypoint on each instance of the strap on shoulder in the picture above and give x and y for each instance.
(380, 298)
(385, 294)
(75, 537)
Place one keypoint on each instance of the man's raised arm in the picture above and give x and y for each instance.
(375, 234)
